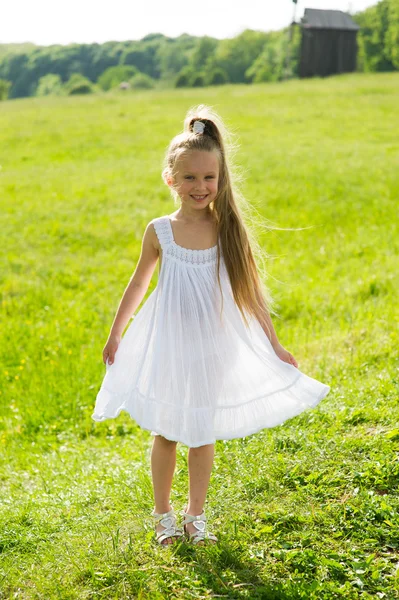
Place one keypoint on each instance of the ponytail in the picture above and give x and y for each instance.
(204, 130)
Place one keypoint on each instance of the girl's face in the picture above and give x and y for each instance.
(196, 177)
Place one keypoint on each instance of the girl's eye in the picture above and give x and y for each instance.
(191, 177)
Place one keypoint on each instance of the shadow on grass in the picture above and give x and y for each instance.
(226, 571)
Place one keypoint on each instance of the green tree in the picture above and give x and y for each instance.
(270, 65)
(203, 53)
(392, 33)
(237, 54)
(172, 57)
(143, 56)
(50, 84)
(266, 67)
(105, 56)
(4, 89)
(375, 53)
(13, 67)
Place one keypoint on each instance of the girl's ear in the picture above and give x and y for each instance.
(168, 179)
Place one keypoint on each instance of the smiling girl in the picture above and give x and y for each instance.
(201, 360)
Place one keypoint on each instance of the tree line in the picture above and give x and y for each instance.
(185, 61)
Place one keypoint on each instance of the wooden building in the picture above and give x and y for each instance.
(328, 43)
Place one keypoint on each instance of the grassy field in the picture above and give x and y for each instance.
(305, 510)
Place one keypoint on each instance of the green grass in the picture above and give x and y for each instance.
(305, 510)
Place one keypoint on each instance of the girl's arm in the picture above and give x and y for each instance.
(271, 333)
(135, 290)
(268, 328)
(266, 322)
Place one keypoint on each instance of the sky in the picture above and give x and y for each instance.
(46, 22)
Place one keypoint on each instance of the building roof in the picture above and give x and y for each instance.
(327, 19)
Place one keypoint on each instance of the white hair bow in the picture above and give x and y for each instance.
(198, 127)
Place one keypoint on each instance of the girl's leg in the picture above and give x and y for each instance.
(200, 462)
(163, 463)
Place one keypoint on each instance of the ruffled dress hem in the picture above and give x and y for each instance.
(144, 418)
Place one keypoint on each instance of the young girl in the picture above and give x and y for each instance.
(201, 360)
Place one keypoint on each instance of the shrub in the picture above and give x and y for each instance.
(141, 81)
(182, 80)
(113, 76)
(78, 84)
(199, 80)
(217, 76)
(184, 77)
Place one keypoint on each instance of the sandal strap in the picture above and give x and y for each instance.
(159, 516)
(173, 532)
(190, 518)
(199, 522)
(202, 535)
(168, 521)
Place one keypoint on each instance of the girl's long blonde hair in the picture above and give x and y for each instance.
(236, 238)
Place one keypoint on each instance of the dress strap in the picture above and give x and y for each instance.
(163, 230)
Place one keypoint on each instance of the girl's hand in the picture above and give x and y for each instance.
(110, 348)
(284, 355)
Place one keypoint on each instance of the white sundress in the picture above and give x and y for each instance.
(183, 372)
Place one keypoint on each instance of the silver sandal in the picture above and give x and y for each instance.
(199, 522)
(168, 520)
